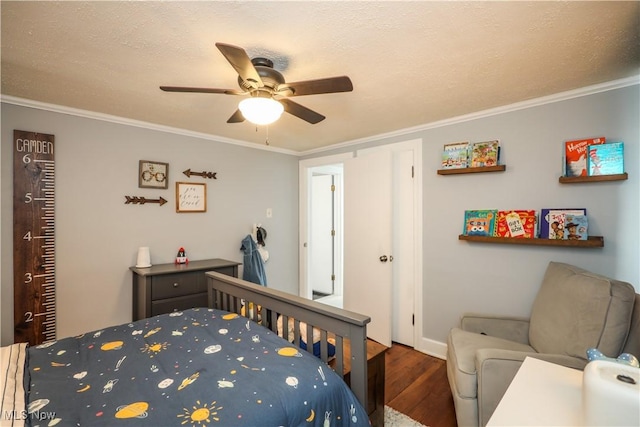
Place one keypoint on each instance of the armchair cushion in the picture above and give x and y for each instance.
(462, 347)
(595, 311)
(507, 327)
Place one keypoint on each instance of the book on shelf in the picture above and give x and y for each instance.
(480, 222)
(552, 221)
(576, 227)
(485, 154)
(517, 223)
(455, 155)
(575, 155)
(606, 159)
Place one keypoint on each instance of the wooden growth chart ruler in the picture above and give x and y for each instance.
(34, 307)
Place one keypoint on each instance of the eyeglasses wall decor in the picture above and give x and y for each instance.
(153, 174)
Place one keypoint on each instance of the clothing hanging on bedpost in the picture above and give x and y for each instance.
(253, 266)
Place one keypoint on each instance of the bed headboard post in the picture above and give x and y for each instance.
(359, 375)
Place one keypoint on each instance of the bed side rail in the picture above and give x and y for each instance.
(349, 329)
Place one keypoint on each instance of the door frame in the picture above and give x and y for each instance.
(304, 169)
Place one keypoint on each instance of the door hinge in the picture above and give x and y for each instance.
(333, 277)
(333, 233)
(413, 319)
(412, 171)
(333, 187)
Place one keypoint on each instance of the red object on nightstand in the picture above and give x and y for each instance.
(181, 258)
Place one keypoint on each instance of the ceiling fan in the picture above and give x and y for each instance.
(266, 86)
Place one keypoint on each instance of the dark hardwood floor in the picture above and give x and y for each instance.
(416, 384)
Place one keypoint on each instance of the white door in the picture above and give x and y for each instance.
(321, 226)
(368, 267)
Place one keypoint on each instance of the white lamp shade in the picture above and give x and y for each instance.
(261, 111)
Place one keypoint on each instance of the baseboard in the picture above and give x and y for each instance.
(432, 348)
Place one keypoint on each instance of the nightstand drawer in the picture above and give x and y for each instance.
(179, 303)
(175, 285)
(163, 288)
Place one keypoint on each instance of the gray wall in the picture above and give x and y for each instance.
(97, 235)
(461, 276)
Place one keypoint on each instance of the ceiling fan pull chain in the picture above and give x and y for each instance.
(266, 141)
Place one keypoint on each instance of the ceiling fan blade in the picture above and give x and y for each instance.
(313, 87)
(241, 62)
(301, 112)
(201, 90)
(236, 117)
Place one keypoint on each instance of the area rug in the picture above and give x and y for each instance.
(393, 418)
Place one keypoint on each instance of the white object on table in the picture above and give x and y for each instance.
(144, 258)
(611, 394)
(541, 394)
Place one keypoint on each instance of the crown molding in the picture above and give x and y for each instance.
(136, 123)
(550, 99)
(561, 96)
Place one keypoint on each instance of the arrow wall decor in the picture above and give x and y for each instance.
(211, 175)
(135, 200)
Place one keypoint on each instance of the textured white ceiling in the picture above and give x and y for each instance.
(411, 63)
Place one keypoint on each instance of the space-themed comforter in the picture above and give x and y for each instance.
(200, 367)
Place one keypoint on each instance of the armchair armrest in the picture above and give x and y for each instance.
(506, 327)
(496, 369)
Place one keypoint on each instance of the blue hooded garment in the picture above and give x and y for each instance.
(253, 265)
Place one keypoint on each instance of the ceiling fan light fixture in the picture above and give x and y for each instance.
(261, 111)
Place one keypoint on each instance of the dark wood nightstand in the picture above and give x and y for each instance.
(164, 288)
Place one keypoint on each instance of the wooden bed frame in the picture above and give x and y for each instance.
(348, 328)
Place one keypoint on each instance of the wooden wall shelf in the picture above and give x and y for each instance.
(592, 242)
(597, 178)
(499, 168)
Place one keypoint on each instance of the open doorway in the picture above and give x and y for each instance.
(317, 251)
(325, 234)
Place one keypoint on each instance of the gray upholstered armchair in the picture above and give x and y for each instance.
(574, 310)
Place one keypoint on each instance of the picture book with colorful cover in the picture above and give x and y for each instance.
(485, 154)
(552, 221)
(606, 159)
(576, 227)
(575, 155)
(517, 223)
(480, 222)
(455, 155)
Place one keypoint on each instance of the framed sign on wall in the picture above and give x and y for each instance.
(191, 197)
(153, 174)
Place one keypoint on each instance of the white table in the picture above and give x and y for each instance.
(541, 394)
